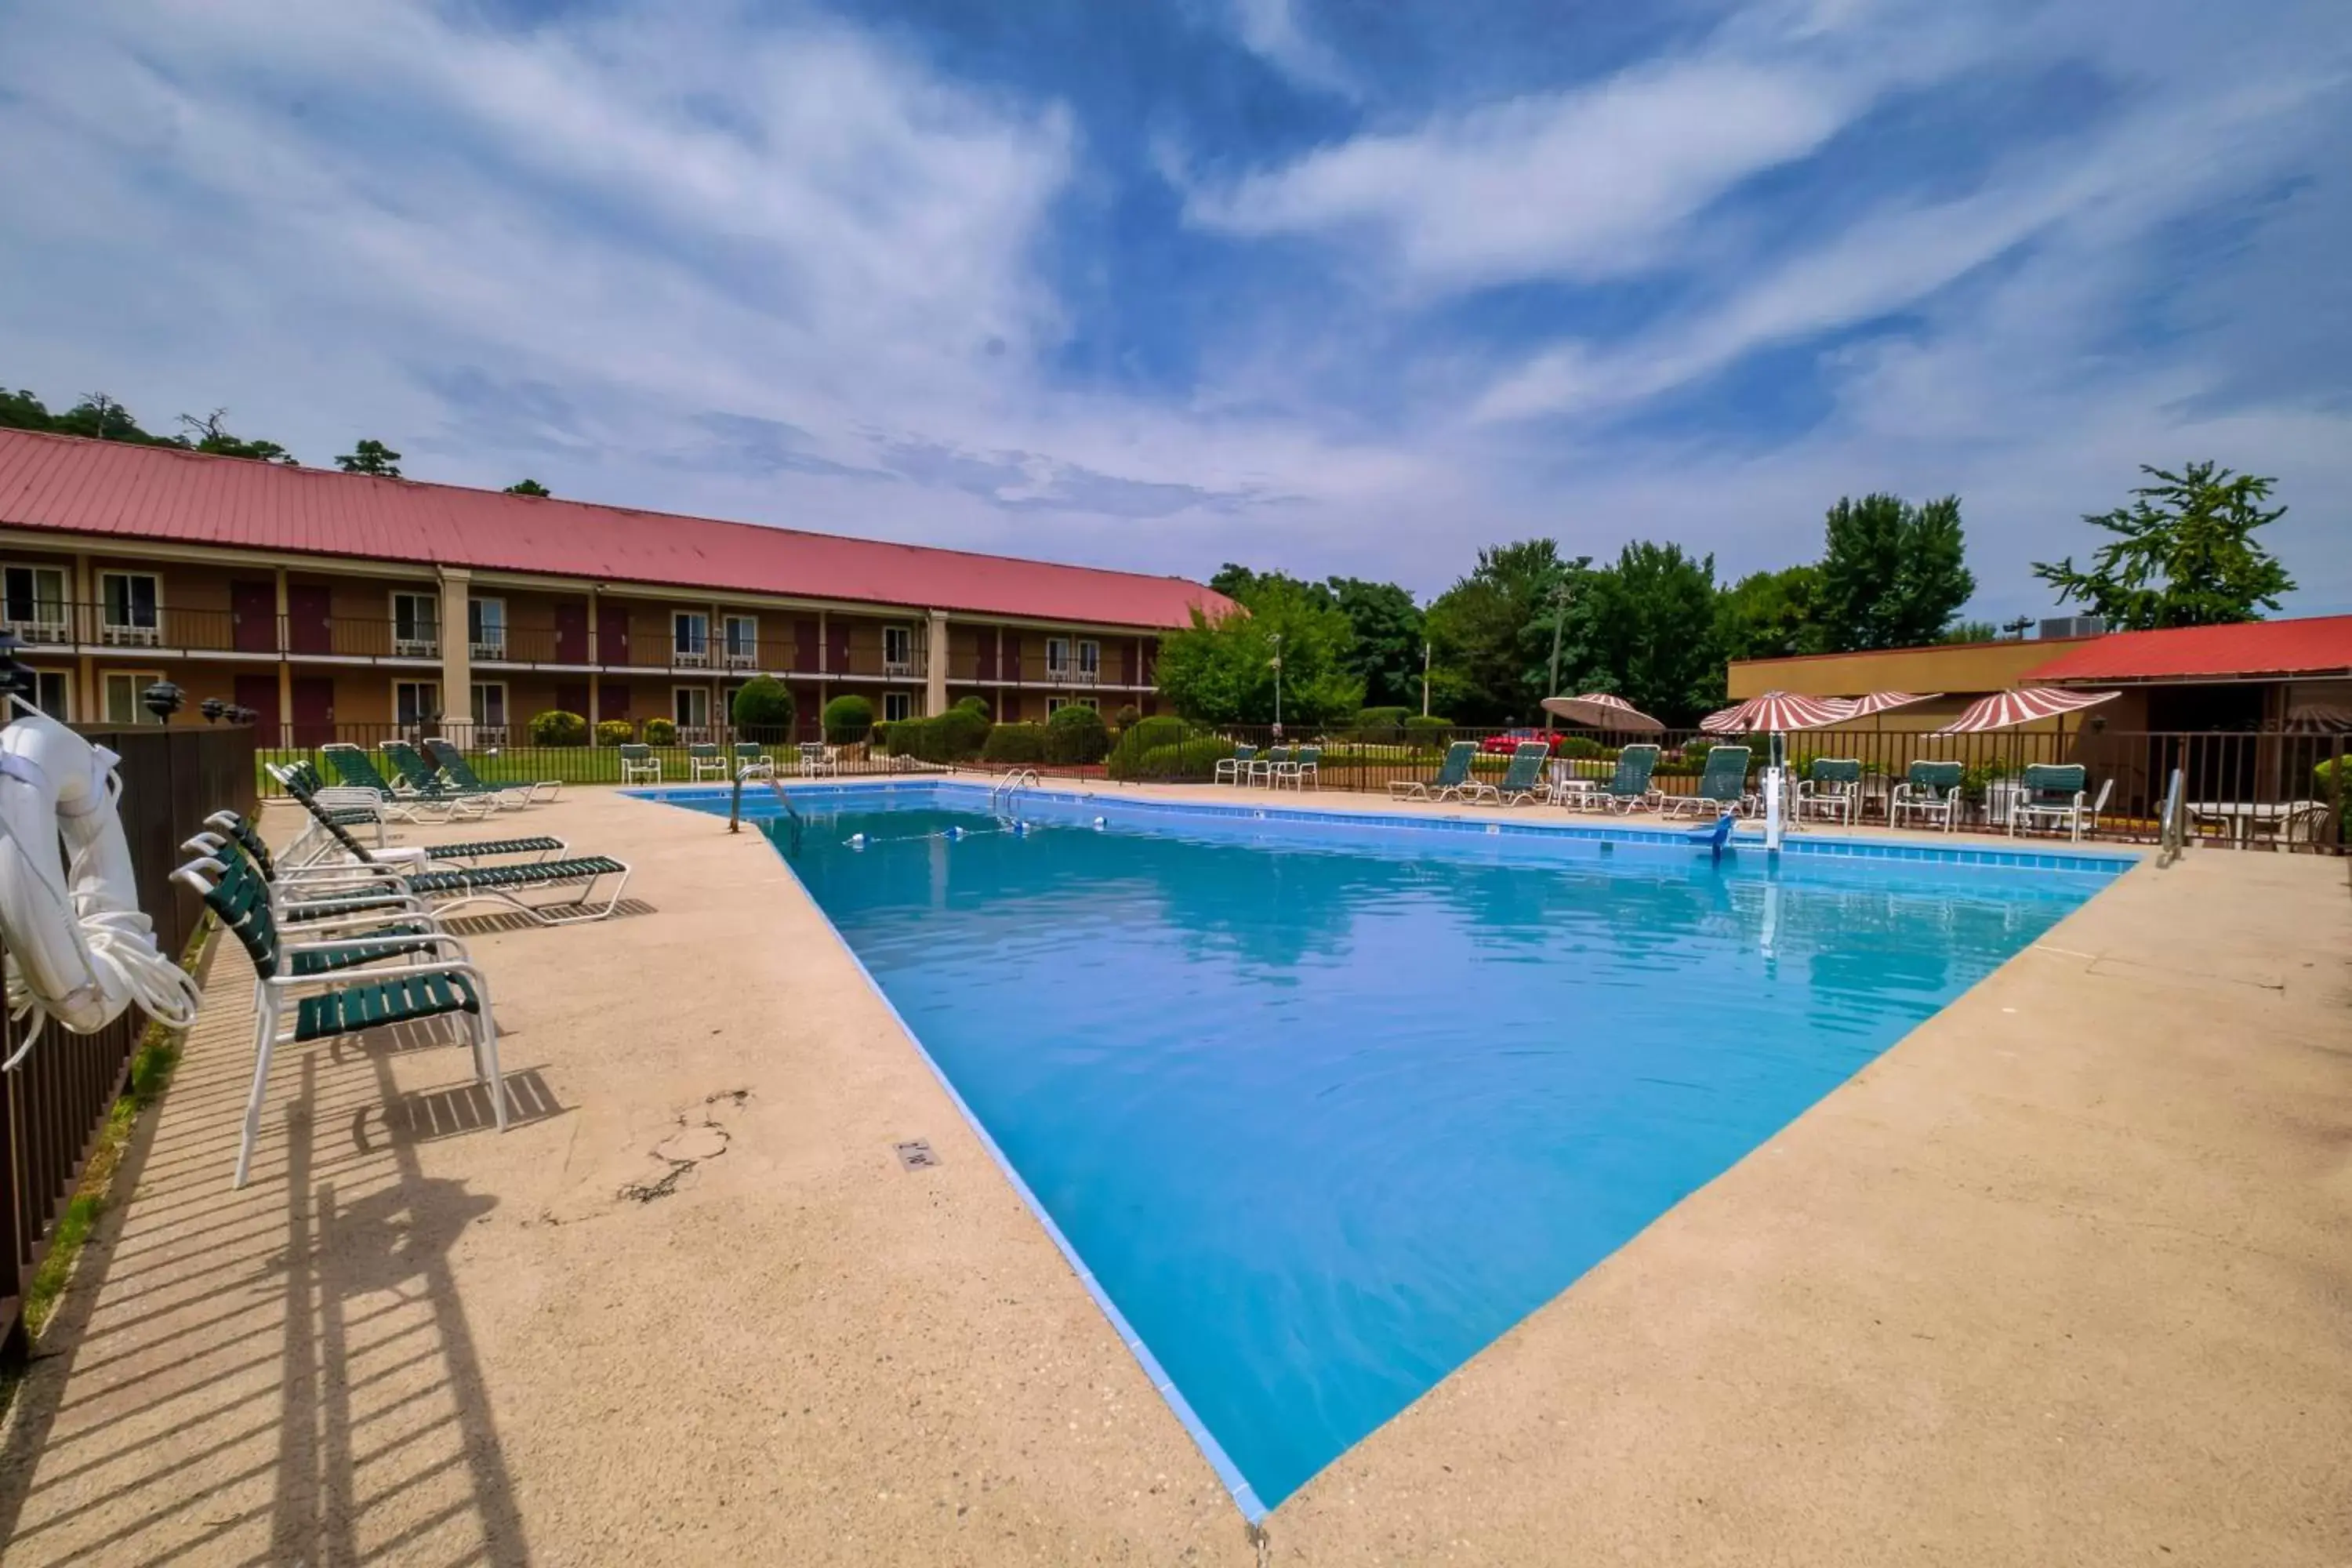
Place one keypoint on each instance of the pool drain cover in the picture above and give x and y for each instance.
(916, 1154)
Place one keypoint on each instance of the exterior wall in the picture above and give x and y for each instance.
(1959, 670)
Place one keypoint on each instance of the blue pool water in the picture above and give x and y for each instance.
(1324, 1112)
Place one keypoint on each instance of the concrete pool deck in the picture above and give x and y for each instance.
(2065, 1276)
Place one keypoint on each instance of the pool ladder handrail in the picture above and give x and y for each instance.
(1000, 794)
(735, 800)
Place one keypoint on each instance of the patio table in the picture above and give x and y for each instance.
(2244, 818)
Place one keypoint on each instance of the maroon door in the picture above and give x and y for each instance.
(571, 640)
(575, 698)
(613, 702)
(805, 645)
(837, 653)
(1008, 656)
(1127, 660)
(259, 692)
(612, 634)
(252, 620)
(306, 618)
(314, 710)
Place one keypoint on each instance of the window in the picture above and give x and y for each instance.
(486, 627)
(1089, 660)
(33, 602)
(416, 626)
(689, 639)
(898, 650)
(52, 694)
(691, 707)
(1055, 704)
(897, 705)
(1058, 657)
(118, 692)
(491, 712)
(130, 610)
(415, 703)
(739, 641)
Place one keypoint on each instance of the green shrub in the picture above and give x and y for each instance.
(1014, 744)
(1424, 733)
(615, 732)
(763, 709)
(557, 728)
(1075, 735)
(1144, 735)
(661, 733)
(880, 736)
(1128, 714)
(847, 720)
(958, 735)
(977, 704)
(2323, 780)
(1191, 760)
(1576, 746)
(1382, 724)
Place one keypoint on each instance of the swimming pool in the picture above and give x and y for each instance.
(1321, 1107)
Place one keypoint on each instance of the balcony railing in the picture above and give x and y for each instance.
(741, 658)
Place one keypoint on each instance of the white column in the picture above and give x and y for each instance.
(935, 666)
(457, 656)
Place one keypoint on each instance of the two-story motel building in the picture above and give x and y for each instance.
(336, 603)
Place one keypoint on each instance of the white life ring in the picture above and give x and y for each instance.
(79, 949)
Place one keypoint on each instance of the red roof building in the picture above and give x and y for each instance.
(2320, 645)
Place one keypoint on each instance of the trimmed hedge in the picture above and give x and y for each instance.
(557, 728)
(1075, 735)
(958, 735)
(1128, 714)
(615, 732)
(1378, 724)
(977, 704)
(847, 720)
(1425, 734)
(1014, 744)
(661, 733)
(1191, 760)
(1141, 736)
(763, 706)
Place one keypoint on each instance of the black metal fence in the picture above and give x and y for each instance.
(56, 1100)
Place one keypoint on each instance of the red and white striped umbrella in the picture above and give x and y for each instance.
(1873, 702)
(1777, 713)
(2005, 710)
(1600, 711)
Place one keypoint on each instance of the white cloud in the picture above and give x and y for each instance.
(1271, 29)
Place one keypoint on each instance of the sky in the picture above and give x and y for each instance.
(1329, 285)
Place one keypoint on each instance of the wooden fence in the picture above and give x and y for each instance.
(56, 1100)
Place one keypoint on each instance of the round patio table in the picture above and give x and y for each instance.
(2244, 818)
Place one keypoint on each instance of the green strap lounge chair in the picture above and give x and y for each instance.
(1302, 769)
(1627, 787)
(1235, 768)
(1722, 785)
(357, 770)
(1522, 782)
(639, 764)
(1453, 774)
(704, 761)
(1831, 791)
(752, 762)
(424, 779)
(2056, 794)
(1930, 790)
(399, 973)
(460, 771)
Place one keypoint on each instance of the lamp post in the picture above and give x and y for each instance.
(162, 699)
(1560, 595)
(1277, 686)
(1424, 678)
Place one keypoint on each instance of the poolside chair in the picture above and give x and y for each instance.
(752, 762)
(1234, 770)
(2053, 793)
(1930, 790)
(1523, 782)
(423, 780)
(356, 769)
(704, 760)
(1451, 775)
(348, 807)
(398, 974)
(1629, 787)
(1831, 790)
(460, 771)
(1305, 765)
(638, 762)
(1722, 785)
(1261, 767)
(816, 757)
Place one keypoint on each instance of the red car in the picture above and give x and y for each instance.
(1509, 741)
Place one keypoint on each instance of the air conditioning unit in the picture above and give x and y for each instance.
(2072, 627)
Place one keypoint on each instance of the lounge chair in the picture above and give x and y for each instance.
(1931, 790)
(399, 973)
(460, 773)
(1628, 788)
(1235, 768)
(752, 762)
(1308, 765)
(349, 808)
(1831, 790)
(423, 780)
(816, 757)
(2054, 794)
(638, 762)
(705, 762)
(1451, 775)
(1523, 782)
(1261, 767)
(357, 770)
(1722, 786)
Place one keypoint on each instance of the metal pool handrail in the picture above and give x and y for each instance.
(735, 801)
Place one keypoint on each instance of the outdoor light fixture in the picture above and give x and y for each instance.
(212, 708)
(162, 699)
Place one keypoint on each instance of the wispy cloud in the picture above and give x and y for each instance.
(1272, 28)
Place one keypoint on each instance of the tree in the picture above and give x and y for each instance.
(1771, 615)
(2184, 553)
(370, 458)
(20, 410)
(1388, 630)
(525, 488)
(1892, 575)
(211, 434)
(100, 418)
(1491, 634)
(1647, 628)
(762, 709)
(1971, 631)
(1221, 670)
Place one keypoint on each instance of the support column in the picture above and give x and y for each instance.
(284, 736)
(457, 656)
(83, 616)
(935, 665)
(595, 669)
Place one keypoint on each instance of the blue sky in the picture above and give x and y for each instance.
(1331, 285)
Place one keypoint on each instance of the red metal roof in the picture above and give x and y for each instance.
(107, 488)
(2318, 645)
